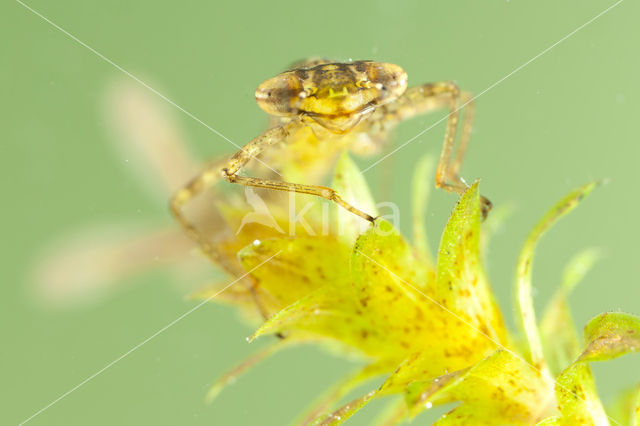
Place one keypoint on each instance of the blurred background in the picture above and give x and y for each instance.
(566, 118)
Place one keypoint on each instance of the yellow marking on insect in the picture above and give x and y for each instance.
(343, 92)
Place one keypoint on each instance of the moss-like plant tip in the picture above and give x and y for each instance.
(430, 327)
(611, 335)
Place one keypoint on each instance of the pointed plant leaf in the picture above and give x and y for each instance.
(500, 389)
(389, 284)
(303, 264)
(523, 270)
(350, 184)
(462, 327)
(345, 412)
(232, 375)
(461, 284)
(607, 336)
(328, 314)
(423, 395)
(383, 245)
(324, 312)
(611, 335)
(424, 372)
(559, 337)
(577, 398)
(339, 390)
(397, 298)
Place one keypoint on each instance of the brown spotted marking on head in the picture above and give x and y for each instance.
(335, 95)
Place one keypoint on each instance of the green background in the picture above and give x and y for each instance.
(567, 117)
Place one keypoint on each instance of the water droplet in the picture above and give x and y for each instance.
(256, 242)
(428, 405)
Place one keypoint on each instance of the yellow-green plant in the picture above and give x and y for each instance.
(430, 327)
